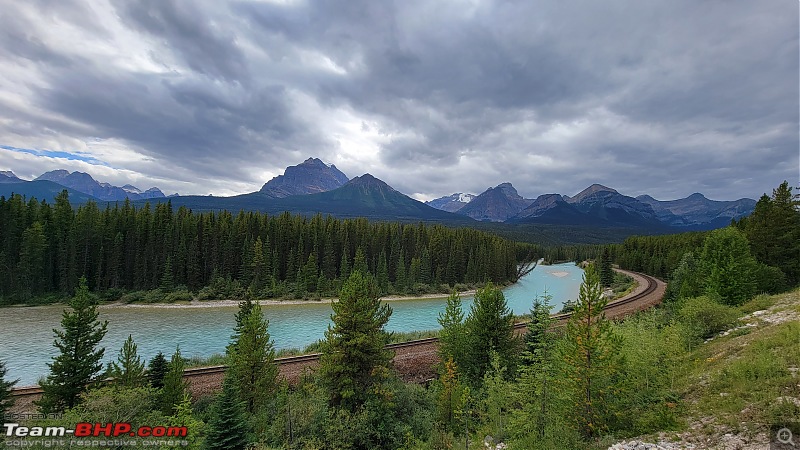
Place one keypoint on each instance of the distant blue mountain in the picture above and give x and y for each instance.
(7, 176)
(43, 190)
(83, 182)
(364, 196)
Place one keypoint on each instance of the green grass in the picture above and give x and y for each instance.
(738, 379)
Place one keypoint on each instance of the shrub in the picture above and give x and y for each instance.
(706, 317)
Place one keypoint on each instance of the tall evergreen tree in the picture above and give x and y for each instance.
(227, 428)
(489, 328)
(452, 337)
(604, 266)
(252, 362)
(590, 356)
(354, 354)
(157, 370)
(539, 372)
(175, 387)
(6, 400)
(79, 360)
(128, 370)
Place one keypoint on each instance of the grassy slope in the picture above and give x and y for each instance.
(739, 383)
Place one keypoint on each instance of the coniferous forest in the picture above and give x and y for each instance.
(45, 249)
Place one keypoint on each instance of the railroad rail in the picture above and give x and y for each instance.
(645, 296)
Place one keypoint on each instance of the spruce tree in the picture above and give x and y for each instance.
(451, 336)
(157, 370)
(227, 428)
(175, 387)
(129, 370)
(591, 356)
(252, 362)
(489, 328)
(354, 354)
(6, 400)
(535, 386)
(606, 271)
(79, 361)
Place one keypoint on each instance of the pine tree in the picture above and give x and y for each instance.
(79, 360)
(538, 373)
(382, 277)
(227, 428)
(167, 280)
(360, 262)
(6, 400)
(606, 271)
(175, 387)
(400, 280)
(157, 370)
(590, 356)
(451, 336)
(489, 327)
(354, 353)
(252, 362)
(129, 370)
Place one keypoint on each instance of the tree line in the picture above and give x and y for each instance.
(45, 249)
(758, 253)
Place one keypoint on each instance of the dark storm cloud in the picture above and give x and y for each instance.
(188, 29)
(660, 98)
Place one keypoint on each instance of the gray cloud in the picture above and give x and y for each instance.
(665, 99)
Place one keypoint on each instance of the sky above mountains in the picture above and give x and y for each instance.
(659, 98)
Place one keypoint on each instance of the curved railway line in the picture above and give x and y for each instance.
(414, 360)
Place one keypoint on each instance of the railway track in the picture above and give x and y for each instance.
(646, 297)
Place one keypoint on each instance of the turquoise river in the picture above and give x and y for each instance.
(26, 337)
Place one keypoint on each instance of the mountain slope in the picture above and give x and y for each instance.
(550, 209)
(309, 177)
(83, 182)
(43, 190)
(605, 206)
(364, 196)
(496, 204)
(697, 211)
(7, 176)
(451, 203)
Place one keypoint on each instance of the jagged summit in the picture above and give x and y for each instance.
(590, 191)
(309, 177)
(496, 204)
(85, 183)
(7, 176)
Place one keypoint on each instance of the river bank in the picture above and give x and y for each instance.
(226, 303)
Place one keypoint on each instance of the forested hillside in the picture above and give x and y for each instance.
(45, 249)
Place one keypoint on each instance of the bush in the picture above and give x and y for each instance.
(179, 295)
(769, 279)
(706, 317)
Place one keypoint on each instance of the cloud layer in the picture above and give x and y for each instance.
(662, 98)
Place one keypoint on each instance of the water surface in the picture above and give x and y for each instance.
(26, 336)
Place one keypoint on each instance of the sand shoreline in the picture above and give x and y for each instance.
(268, 302)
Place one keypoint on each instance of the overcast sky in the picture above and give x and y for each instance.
(663, 98)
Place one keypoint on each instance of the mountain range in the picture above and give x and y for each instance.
(313, 187)
(598, 206)
(89, 188)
